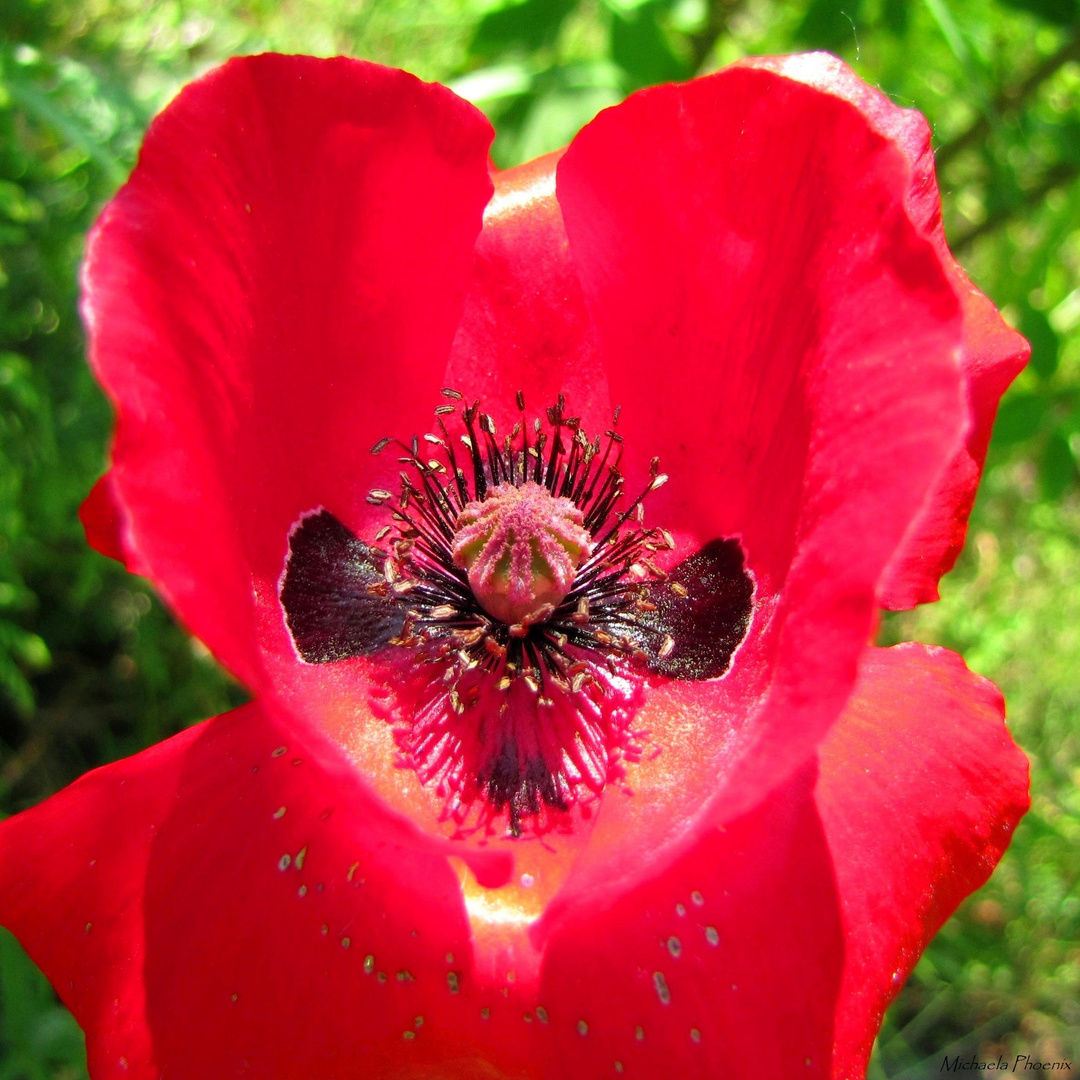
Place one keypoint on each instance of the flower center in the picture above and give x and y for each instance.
(520, 547)
(522, 604)
(522, 555)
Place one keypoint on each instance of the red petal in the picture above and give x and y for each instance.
(729, 962)
(205, 909)
(276, 288)
(820, 900)
(103, 520)
(780, 332)
(991, 354)
(921, 787)
(525, 326)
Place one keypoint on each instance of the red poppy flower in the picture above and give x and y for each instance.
(531, 788)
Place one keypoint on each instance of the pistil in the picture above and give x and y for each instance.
(520, 547)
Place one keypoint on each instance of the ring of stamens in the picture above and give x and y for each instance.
(519, 607)
(590, 624)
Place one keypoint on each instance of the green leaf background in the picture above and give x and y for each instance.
(93, 668)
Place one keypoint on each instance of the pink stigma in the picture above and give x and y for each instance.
(521, 547)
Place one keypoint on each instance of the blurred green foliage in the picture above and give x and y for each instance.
(92, 667)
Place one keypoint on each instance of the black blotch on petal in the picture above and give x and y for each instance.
(708, 623)
(330, 608)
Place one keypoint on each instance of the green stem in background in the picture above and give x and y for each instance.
(1009, 100)
(1059, 175)
(717, 20)
(958, 44)
(38, 105)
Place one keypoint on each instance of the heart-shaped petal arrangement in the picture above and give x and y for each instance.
(559, 765)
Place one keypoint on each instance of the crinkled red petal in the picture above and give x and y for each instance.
(777, 329)
(920, 790)
(781, 938)
(232, 903)
(991, 355)
(279, 281)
